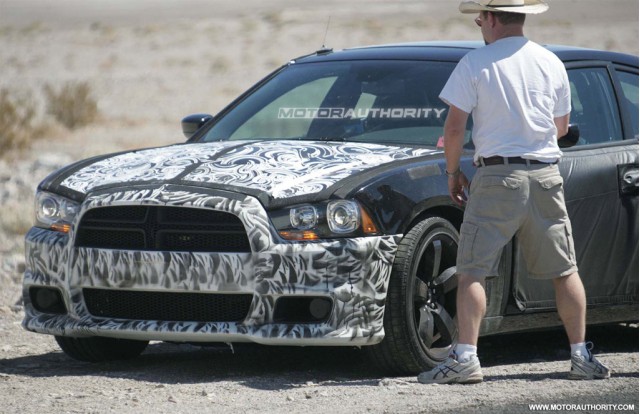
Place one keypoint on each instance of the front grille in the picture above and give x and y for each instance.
(162, 228)
(167, 306)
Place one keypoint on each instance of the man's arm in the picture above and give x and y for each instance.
(562, 125)
(454, 129)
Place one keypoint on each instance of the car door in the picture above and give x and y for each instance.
(601, 189)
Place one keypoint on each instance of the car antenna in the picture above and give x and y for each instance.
(323, 50)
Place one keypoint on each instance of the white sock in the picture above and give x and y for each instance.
(580, 349)
(465, 352)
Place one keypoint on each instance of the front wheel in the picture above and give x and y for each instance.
(419, 319)
(100, 349)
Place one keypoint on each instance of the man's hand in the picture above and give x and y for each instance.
(454, 130)
(457, 183)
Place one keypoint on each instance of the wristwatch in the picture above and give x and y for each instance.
(452, 174)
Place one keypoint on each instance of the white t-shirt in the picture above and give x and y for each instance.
(513, 88)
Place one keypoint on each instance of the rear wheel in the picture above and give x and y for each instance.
(99, 349)
(419, 317)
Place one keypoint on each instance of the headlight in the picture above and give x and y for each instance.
(343, 216)
(303, 217)
(55, 212)
(338, 218)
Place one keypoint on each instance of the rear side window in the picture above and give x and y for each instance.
(629, 86)
(594, 106)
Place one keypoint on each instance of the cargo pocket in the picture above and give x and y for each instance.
(468, 233)
(495, 193)
(497, 186)
(505, 182)
(550, 200)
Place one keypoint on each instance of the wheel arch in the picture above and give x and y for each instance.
(435, 207)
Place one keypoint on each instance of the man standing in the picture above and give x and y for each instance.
(518, 94)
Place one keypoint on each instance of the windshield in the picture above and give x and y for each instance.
(372, 101)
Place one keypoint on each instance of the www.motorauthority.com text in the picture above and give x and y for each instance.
(582, 407)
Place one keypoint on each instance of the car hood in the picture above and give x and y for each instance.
(281, 169)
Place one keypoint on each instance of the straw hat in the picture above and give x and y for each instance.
(512, 6)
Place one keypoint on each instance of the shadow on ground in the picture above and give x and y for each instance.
(280, 368)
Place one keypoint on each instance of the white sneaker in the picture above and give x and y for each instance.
(587, 367)
(453, 372)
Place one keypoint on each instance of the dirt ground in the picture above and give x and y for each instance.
(151, 62)
(520, 370)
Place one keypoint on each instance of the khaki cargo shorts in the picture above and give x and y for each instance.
(522, 201)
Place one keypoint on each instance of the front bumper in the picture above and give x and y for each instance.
(352, 274)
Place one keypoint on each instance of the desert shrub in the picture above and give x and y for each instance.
(17, 121)
(16, 218)
(72, 105)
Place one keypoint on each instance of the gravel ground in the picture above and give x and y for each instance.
(522, 369)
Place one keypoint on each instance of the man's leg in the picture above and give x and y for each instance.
(463, 367)
(471, 305)
(572, 306)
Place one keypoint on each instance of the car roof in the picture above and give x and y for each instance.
(453, 51)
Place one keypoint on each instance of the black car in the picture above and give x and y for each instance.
(314, 211)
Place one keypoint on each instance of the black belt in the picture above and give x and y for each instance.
(483, 162)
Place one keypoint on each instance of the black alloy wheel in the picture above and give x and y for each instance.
(419, 319)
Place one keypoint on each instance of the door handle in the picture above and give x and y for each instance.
(631, 178)
(628, 179)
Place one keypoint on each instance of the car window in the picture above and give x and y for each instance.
(364, 101)
(629, 85)
(594, 107)
(262, 123)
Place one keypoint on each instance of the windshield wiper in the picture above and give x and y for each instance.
(331, 139)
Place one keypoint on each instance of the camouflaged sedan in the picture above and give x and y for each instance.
(314, 211)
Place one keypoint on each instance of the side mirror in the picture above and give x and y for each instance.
(192, 123)
(571, 138)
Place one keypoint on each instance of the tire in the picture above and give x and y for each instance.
(419, 319)
(100, 349)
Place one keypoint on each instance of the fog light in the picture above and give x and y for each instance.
(319, 308)
(47, 300)
(302, 309)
